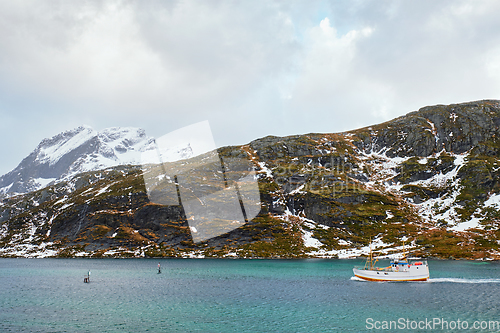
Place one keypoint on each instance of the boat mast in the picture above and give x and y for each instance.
(404, 250)
(369, 262)
(371, 255)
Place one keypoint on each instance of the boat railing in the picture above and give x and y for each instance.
(381, 269)
(419, 262)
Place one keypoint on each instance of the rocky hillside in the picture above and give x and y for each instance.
(429, 178)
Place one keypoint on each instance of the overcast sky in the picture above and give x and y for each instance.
(252, 68)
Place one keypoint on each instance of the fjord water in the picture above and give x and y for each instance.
(217, 295)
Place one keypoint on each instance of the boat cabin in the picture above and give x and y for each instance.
(399, 266)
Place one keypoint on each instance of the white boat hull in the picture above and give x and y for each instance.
(414, 273)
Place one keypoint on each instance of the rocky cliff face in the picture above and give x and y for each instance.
(455, 128)
(429, 178)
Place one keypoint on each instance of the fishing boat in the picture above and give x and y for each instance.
(403, 269)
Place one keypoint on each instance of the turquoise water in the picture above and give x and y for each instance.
(212, 295)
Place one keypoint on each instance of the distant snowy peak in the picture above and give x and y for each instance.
(111, 146)
(71, 152)
(51, 150)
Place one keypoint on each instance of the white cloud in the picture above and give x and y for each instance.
(330, 86)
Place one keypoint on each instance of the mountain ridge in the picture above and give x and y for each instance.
(440, 122)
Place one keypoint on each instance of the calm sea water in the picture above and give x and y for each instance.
(212, 295)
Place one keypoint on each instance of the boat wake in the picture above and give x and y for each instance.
(460, 280)
(355, 278)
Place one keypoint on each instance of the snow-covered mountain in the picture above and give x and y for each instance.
(71, 152)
